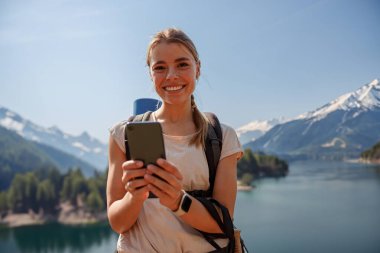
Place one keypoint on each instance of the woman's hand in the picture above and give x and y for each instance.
(133, 179)
(165, 182)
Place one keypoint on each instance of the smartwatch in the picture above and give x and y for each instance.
(184, 204)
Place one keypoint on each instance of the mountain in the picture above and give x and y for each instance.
(83, 146)
(256, 129)
(20, 155)
(340, 129)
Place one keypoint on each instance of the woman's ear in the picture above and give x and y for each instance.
(198, 73)
(150, 75)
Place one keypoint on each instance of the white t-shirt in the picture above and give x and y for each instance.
(157, 229)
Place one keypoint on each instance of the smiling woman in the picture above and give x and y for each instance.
(177, 220)
(173, 71)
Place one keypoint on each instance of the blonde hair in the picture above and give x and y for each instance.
(174, 35)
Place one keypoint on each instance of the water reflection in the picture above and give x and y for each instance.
(318, 207)
(58, 238)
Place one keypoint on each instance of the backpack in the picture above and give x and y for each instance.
(213, 148)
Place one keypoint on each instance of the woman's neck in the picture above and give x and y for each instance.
(174, 113)
(176, 119)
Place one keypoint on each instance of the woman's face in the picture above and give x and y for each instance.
(174, 72)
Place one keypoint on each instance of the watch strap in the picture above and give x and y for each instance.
(184, 204)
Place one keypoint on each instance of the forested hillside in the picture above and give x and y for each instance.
(372, 154)
(257, 165)
(20, 155)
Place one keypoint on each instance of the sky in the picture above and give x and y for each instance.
(80, 64)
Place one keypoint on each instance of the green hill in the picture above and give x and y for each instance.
(19, 155)
(258, 165)
(372, 153)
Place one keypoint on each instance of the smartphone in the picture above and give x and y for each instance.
(145, 142)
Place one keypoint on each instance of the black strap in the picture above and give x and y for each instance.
(225, 224)
(213, 148)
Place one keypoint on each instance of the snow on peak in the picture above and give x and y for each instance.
(11, 120)
(84, 146)
(12, 124)
(81, 146)
(55, 130)
(260, 125)
(256, 129)
(364, 98)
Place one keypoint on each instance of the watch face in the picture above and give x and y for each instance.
(186, 203)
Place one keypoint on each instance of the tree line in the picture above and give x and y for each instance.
(258, 165)
(372, 153)
(44, 189)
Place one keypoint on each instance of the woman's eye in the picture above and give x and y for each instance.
(159, 68)
(183, 64)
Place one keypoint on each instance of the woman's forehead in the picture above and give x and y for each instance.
(169, 51)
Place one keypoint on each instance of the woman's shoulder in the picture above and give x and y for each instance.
(117, 133)
(226, 128)
(120, 125)
(231, 143)
(228, 132)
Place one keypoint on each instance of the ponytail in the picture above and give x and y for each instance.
(201, 124)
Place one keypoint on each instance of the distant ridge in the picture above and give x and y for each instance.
(83, 146)
(20, 155)
(340, 129)
(256, 129)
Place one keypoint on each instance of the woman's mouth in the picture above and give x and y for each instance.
(173, 88)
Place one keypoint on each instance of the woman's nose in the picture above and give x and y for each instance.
(172, 74)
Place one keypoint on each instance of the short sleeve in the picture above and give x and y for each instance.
(231, 143)
(117, 133)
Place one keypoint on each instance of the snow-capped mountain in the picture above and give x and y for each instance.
(364, 99)
(342, 128)
(83, 146)
(256, 129)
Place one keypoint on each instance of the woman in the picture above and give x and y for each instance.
(160, 224)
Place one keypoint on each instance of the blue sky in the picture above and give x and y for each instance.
(79, 65)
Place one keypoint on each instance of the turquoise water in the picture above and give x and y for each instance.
(318, 207)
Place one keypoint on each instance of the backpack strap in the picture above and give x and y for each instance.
(225, 224)
(213, 148)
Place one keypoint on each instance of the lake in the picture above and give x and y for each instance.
(318, 207)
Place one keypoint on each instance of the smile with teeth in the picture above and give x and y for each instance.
(174, 88)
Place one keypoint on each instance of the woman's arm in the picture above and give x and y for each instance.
(224, 192)
(198, 216)
(123, 207)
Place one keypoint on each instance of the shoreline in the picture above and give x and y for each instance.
(68, 215)
(363, 161)
(243, 187)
